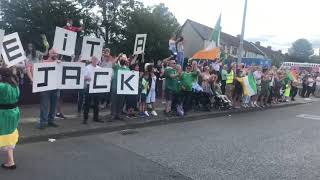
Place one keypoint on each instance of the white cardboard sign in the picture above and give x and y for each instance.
(128, 82)
(101, 80)
(91, 47)
(45, 77)
(52, 75)
(71, 75)
(140, 43)
(64, 41)
(12, 51)
(1, 38)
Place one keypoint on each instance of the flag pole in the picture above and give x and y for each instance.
(242, 33)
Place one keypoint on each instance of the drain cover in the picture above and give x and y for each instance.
(128, 132)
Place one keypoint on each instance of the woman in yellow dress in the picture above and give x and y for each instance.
(9, 115)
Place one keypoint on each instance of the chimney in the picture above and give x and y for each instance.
(269, 47)
(258, 43)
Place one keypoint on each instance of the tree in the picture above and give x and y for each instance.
(116, 21)
(315, 59)
(108, 16)
(30, 18)
(301, 50)
(158, 22)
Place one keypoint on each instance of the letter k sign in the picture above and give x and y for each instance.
(128, 82)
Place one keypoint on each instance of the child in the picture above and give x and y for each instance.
(287, 91)
(151, 97)
(143, 96)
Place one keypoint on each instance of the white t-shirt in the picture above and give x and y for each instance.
(88, 72)
(153, 84)
(216, 66)
(180, 47)
(310, 82)
(172, 45)
(257, 75)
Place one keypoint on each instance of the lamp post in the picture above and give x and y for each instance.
(242, 33)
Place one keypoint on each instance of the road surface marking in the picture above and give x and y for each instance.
(309, 116)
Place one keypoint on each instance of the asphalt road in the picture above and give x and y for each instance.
(274, 144)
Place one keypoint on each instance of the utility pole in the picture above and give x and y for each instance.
(242, 33)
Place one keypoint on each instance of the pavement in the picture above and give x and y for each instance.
(73, 127)
(278, 143)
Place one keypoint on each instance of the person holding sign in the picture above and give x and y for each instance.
(9, 115)
(117, 100)
(47, 97)
(107, 61)
(88, 97)
(69, 26)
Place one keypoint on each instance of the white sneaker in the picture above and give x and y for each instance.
(154, 113)
(146, 113)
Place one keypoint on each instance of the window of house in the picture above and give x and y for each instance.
(234, 51)
(223, 47)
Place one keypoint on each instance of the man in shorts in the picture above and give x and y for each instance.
(171, 76)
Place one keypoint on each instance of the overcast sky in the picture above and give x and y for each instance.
(277, 23)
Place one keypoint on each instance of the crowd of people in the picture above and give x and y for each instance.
(199, 85)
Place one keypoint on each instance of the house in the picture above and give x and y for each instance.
(277, 57)
(197, 37)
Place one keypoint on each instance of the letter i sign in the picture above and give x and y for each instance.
(64, 41)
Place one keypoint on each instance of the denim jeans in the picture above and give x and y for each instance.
(180, 59)
(48, 103)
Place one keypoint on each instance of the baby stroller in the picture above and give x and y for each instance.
(221, 102)
(202, 98)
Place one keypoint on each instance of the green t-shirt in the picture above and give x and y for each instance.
(144, 85)
(224, 75)
(171, 83)
(178, 87)
(114, 80)
(187, 80)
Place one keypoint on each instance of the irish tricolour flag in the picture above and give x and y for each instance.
(292, 75)
(249, 85)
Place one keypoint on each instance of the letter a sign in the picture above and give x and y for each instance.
(140, 43)
(64, 41)
(128, 82)
(1, 38)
